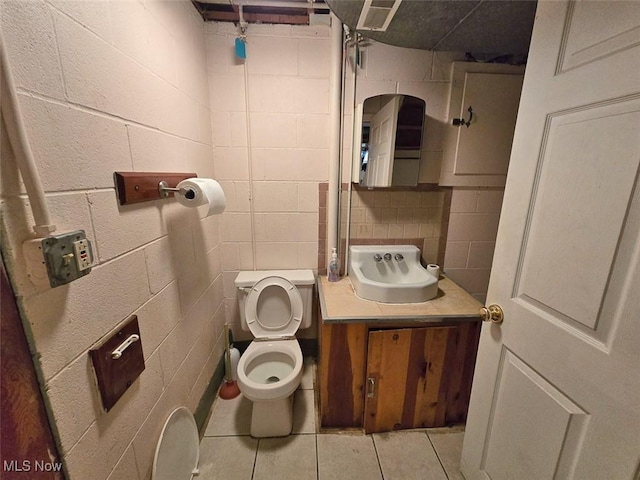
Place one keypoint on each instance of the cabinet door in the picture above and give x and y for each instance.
(342, 372)
(405, 384)
(478, 154)
(485, 146)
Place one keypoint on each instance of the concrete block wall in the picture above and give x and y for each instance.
(108, 86)
(145, 85)
(387, 69)
(271, 160)
(380, 214)
(471, 238)
(474, 213)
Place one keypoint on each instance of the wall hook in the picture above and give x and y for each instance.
(458, 122)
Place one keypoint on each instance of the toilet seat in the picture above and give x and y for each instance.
(178, 449)
(277, 315)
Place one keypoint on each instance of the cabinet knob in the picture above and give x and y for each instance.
(493, 313)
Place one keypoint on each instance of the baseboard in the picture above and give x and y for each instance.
(206, 401)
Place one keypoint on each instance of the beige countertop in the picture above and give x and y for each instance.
(340, 304)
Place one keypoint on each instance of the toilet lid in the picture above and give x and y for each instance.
(273, 308)
(178, 449)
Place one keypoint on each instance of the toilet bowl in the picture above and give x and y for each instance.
(270, 370)
(268, 375)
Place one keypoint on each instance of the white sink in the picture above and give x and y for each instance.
(390, 274)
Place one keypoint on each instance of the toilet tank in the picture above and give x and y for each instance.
(304, 280)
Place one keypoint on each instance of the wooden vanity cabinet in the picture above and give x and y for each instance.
(342, 371)
(396, 376)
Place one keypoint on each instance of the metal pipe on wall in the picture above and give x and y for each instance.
(16, 132)
(335, 96)
(355, 145)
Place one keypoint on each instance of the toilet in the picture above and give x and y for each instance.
(274, 304)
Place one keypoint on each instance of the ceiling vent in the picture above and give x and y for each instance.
(376, 15)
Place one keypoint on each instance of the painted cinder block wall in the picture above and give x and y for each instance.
(145, 85)
(271, 169)
(458, 225)
(426, 74)
(104, 87)
(273, 209)
(471, 238)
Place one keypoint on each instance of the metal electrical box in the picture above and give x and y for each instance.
(68, 256)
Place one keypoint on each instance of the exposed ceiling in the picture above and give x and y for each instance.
(478, 26)
(292, 12)
(481, 27)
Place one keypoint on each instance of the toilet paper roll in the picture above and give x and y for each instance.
(434, 270)
(202, 191)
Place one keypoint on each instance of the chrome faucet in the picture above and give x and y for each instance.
(377, 258)
(387, 257)
(399, 257)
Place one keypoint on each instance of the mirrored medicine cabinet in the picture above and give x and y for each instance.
(388, 132)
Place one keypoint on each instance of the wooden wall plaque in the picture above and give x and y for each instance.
(115, 374)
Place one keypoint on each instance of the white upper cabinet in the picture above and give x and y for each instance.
(482, 117)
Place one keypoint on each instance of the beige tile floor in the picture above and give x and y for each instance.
(227, 452)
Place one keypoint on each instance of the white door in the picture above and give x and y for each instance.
(556, 392)
(382, 141)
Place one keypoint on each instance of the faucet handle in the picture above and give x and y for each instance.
(377, 258)
(399, 257)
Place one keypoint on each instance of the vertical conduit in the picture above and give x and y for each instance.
(355, 134)
(243, 32)
(335, 97)
(17, 134)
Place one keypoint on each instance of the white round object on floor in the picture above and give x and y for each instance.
(178, 450)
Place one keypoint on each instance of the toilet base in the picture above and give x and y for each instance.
(272, 419)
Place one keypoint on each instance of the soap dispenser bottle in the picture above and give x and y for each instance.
(334, 267)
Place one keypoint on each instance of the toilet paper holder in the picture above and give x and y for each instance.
(136, 187)
(189, 190)
(165, 189)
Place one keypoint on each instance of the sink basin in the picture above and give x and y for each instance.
(394, 279)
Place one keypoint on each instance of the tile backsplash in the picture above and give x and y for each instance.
(455, 228)
(392, 216)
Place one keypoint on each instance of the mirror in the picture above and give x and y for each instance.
(387, 150)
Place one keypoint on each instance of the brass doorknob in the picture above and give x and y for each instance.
(493, 313)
